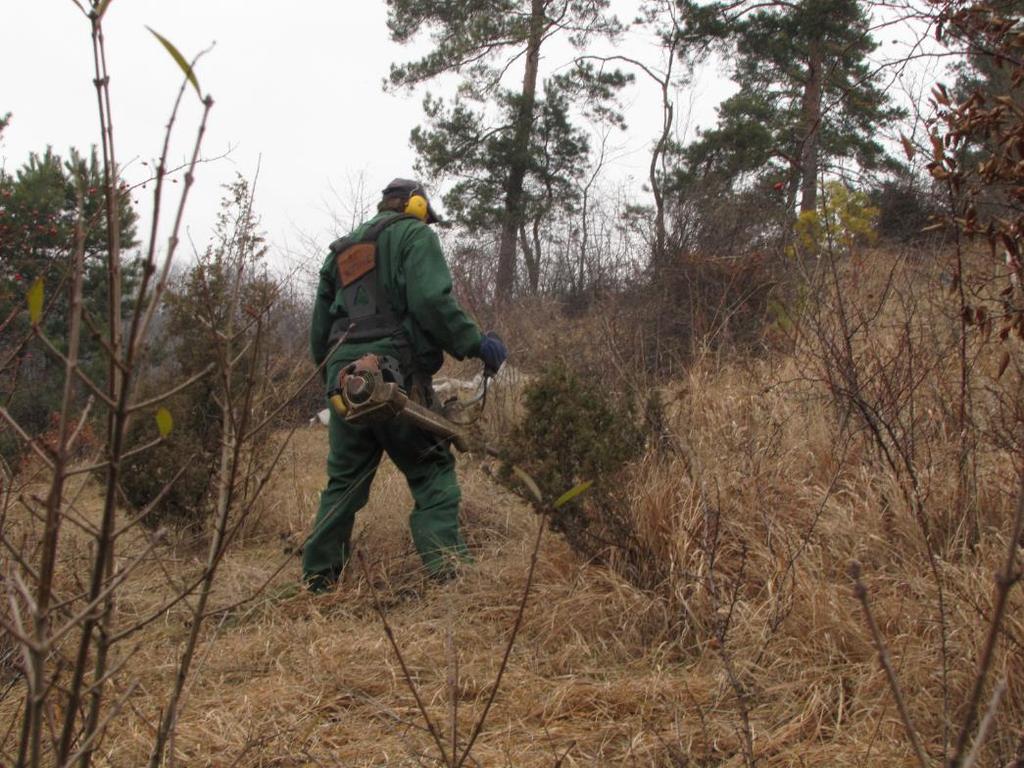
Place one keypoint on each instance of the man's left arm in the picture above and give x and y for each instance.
(429, 296)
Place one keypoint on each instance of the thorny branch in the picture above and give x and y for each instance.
(861, 593)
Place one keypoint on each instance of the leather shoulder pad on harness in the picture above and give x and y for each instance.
(355, 258)
(368, 312)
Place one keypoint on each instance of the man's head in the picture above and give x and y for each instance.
(408, 196)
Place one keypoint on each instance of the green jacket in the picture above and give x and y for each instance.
(415, 278)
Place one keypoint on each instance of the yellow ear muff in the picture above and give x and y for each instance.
(417, 206)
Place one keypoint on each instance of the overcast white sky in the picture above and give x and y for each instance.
(296, 83)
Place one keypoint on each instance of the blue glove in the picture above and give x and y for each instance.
(492, 352)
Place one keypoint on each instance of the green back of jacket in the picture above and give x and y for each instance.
(416, 280)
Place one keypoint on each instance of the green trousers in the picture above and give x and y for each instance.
(429, 468)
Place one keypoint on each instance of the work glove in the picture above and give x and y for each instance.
(493, 352)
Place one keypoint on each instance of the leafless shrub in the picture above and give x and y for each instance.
(64, 570)
(887, 390)
(701, 301)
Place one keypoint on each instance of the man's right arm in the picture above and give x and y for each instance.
(320, 327)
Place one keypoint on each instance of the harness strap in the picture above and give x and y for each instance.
(369, 313)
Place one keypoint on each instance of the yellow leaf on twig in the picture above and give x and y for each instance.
(35, 301)
(571, 494)
(179, 60)
(164, 422)
(530, 483)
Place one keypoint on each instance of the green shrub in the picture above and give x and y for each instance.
(192, 448)
(905, 209)
(576, 429)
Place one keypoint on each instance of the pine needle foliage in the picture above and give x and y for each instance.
(576, 429)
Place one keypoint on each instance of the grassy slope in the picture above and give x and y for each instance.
(602, 672)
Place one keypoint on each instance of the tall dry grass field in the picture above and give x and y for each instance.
(746, 644)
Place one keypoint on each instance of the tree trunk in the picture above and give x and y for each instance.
(531, 256)
(660, 256)
(580, 276)
(538, 255)
(520, 157)
(811, 114)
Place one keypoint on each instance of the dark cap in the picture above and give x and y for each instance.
(406, 188)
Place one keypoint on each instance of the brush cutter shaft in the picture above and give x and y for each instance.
(435, 423)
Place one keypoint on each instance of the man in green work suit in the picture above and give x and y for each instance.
(400, 306)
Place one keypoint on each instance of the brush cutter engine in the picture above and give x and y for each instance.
(368, 392)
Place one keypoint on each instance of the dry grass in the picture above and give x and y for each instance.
(602, 673)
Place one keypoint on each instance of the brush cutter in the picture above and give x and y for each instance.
(368, 391)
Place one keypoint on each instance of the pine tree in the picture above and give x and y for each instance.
(982, 74)
(39, 209)
(807, 96)
(504, 165)
(40, 206)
